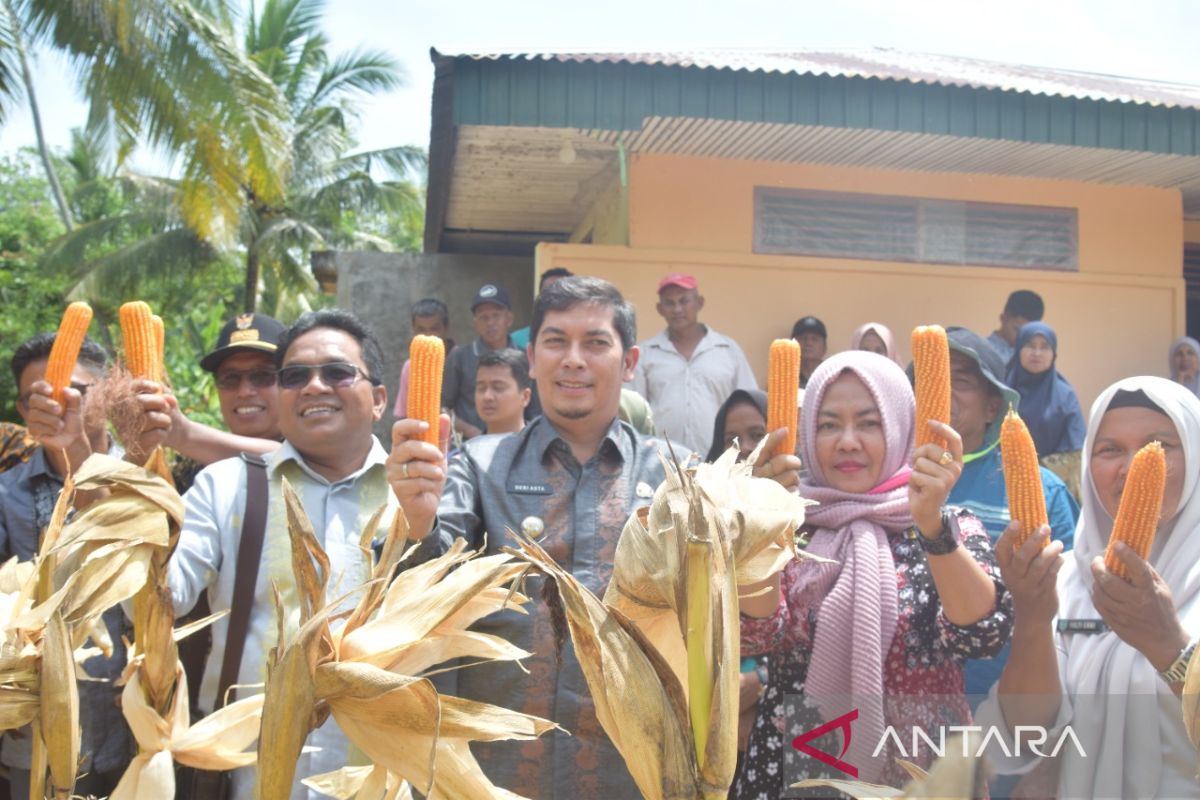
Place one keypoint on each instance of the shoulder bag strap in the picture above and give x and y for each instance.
(254, 525)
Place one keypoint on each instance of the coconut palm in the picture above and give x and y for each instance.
(330, 188)
(169, 74)
(327, 199)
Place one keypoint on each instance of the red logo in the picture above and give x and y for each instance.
(801, 743)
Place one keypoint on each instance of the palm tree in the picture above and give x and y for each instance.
(14, 45)
(170, 74)
(320, 204)
(329, 185)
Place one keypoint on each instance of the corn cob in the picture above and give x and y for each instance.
(137, 329)
(1022, 477)
(428, 355)
(783, 387)
(1140, 508)
(931, 370)
(160, 348)
(65, 350)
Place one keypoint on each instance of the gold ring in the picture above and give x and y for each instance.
(946, 458)
(404, 470)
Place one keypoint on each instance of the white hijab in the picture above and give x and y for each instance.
(1123, 739)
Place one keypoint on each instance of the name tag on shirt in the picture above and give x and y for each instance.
(1085, 626)
(528, 488)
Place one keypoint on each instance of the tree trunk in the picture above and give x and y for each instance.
(60, 198)
(251, 300)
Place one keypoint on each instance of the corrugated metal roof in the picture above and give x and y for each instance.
(887, 64)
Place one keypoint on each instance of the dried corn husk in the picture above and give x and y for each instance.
(154, 700)
(660, 654)
(367, 672)
(361, 783)
(51, 606)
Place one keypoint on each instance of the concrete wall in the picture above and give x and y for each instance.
(381, 288)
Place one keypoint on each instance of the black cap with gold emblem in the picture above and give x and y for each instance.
(245, 332)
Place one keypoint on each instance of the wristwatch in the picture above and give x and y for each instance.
(947, 540)
(1178, 669)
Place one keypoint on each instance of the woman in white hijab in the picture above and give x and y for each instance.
(1092, 650)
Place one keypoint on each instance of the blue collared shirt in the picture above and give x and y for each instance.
(530, 480)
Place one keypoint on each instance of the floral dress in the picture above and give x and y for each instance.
(923, 676)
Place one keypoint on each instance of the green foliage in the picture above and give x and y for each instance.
(32, 301)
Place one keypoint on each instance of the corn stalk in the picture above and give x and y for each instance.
(660, 653)
(52, 605)
(368, 672)
(155, 698)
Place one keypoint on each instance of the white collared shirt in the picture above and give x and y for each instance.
(687, 393)
(206, 557)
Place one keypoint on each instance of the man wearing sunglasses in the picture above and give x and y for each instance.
(243, 369)
(67, 434)
(570, 479)
(329, 397)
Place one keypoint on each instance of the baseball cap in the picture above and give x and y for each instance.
(808, 325)
(490, 293)
(680, 279)
(254, 332)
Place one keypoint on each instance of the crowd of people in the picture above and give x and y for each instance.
(923, 615)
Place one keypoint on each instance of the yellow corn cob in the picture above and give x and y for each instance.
(65, 350)
(1141, 506)
(428, 355)
(931, 370)
(783, 386)
(137, 329)
(1022, 477)
(160, 348)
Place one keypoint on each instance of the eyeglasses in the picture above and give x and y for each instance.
(337, 375)
(82, 388)
(259, 379)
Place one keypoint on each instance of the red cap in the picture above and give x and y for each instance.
(683, 281)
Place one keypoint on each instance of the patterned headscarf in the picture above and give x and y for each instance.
(857, 618)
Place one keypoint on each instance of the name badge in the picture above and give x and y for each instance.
(529, 488)
(1086, 626)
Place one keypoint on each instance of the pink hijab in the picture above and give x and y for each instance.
(857, 618)
(883, 332)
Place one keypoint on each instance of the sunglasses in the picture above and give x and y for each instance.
(259, 379)
(337, 375)
(82, 388)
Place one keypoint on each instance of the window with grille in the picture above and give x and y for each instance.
(916, 229)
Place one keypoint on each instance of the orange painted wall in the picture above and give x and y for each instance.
(1115, 317)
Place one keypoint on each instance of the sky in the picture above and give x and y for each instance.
(1153, 39)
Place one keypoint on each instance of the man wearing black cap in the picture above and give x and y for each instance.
(979, 400)
(243, 368)
(491, 311)
(810, 333)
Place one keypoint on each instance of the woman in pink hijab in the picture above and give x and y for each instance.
(876, 338)
(871, 644)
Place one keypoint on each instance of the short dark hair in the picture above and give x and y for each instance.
(553, 272)
(577, 290)
(508, 357)
(430, 307)
(1025, 304)
(339, 320)
(37, 348)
